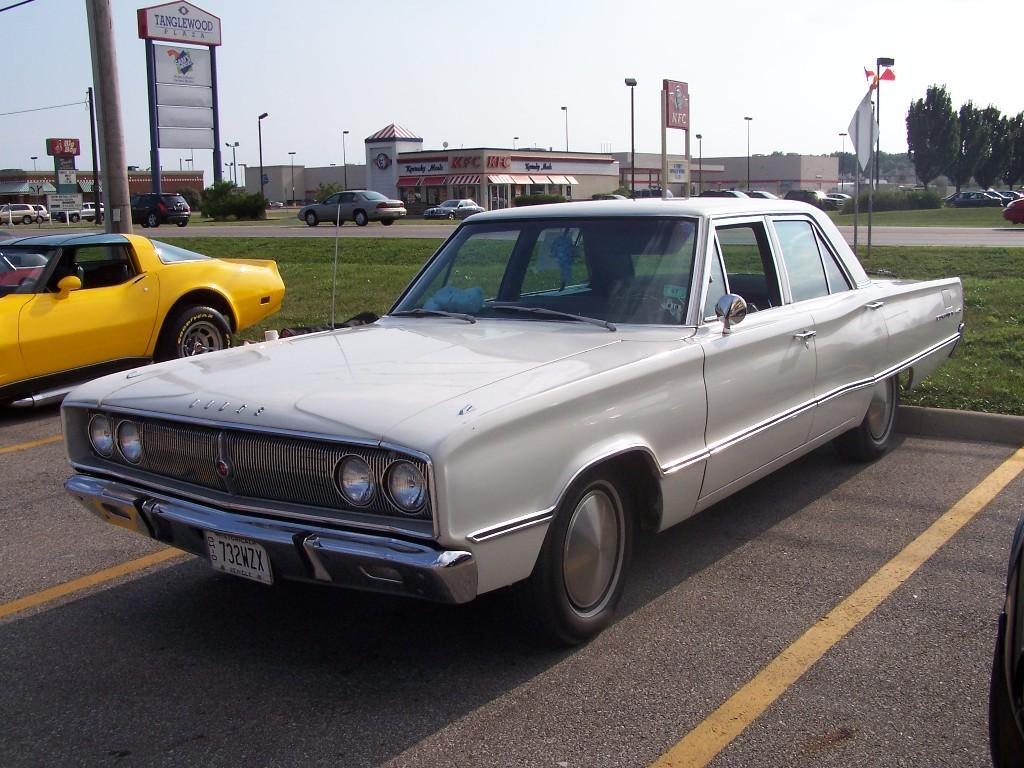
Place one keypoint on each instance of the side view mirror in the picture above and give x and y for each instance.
(730, 309)
(67, 285)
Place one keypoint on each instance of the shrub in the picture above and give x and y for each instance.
(897, 200)
(224, 200)
(537, 200)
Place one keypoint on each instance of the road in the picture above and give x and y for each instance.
(174, 665)
(927, 236)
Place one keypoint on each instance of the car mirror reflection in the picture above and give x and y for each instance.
(730, 309)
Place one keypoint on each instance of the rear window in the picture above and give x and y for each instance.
(173, 199)
(171, 254)
(372, 196)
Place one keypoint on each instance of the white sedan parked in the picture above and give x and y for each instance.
(554, 377)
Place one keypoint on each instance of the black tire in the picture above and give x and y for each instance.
(387, 222)
(75, 218)
(183, 223)
(26, 219)
(451, 216)
(311, 219)
(152, 220)
(568, 613)
(1006, 744)
(360, 218)
(873, 436)
(191, 331)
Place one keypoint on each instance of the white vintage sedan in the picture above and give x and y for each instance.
(554, 377)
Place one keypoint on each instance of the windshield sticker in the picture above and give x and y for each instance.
(674, 291)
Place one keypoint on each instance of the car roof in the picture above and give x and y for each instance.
(58, 241)
(676, 206)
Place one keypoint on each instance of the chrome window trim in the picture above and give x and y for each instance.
(781, 277)
(516, 524)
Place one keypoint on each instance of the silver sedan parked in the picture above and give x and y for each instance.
(360, 205)
(453, 209)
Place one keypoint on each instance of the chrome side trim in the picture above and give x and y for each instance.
(518, 524)
(42, 398)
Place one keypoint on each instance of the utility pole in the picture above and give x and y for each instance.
(95, 160)
(111, 129)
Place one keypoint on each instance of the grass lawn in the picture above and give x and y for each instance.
(937, 217)
(987, 373)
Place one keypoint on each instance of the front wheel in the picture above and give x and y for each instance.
(26, 219)
(387, 222)
(361, 219)
(152, 220)
(193, 331)
(183, 223)
(579, 577)
(75, 218)
(311, 219)
(451, 216)
(873, 436)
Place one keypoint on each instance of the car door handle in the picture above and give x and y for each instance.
(874, 305)
(805, 335)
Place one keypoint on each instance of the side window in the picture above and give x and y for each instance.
(747, 260)
(802, 259)
(100, 266)
(716, 285)
(347, 197)
(837, 281)
(332, 200)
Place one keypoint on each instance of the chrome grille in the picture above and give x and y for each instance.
(264, 466)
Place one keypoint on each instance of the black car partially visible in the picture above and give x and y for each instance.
(152, 210)
(1006, 696)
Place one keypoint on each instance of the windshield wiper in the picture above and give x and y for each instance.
(551, 313)
(420, 312)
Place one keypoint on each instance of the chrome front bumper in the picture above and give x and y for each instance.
(297, 551)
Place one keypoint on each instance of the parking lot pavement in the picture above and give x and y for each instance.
(179, 666)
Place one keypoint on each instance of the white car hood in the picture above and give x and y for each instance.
(356, 383)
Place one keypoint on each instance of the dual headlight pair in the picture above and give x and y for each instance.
(405, 485)
(126, 436)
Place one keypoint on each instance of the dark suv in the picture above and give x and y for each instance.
(814, 197)
(152, 210)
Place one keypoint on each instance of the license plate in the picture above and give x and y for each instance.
(239, 557)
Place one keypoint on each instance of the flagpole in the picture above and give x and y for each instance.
(871, 196)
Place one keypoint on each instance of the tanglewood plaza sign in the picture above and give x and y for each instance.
(179, 23)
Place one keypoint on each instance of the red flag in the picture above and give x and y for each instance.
(868, 74)
(887, 75)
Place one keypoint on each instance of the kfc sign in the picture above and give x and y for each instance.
(59, 147)
(494, 161)
(466, 163)
(677, 104)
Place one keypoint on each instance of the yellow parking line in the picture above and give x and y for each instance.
(701, 745)
(30, 444)
(76, 585)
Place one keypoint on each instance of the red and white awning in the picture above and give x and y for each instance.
(539, 179)
(519, 179)
(571, 179)
(501, 178)
(463, 179)
(558, 179)
(408, 181)
(433, 181)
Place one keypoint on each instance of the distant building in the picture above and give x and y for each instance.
(775, 173)
(18, 186)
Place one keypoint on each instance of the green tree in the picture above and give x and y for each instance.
(1016, 172)
(993, 154)
(1010, 131)
(931, 133)
(326, 190)
(971, 145)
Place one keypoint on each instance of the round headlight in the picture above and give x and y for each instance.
(100, 435)
(129, 441)
(355, 480)
(407, 487)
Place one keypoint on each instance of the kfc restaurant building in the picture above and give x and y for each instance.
(397, 165)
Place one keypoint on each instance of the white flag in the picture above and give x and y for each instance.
(863, 131)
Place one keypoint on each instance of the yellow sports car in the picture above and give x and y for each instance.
(73, 307)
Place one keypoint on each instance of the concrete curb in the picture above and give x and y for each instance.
(960, 425)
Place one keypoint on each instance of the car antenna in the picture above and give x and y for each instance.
(334, 277)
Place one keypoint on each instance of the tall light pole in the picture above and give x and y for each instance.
(259, 131)
(566, 110)
(292, 154)
(700, 165)
(631, 82)
(33, 159)
(514, 140)
(842, 151)
(881, 61)
(234, 160)
(749, 120)
(344, 160)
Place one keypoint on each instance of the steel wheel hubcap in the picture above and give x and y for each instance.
(201, 337)
(593, 551)
(880, 409)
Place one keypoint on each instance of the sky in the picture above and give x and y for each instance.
(477, 73)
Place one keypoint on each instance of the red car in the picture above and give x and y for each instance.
(1014, 212)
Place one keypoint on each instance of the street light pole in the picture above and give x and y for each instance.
(881, 61)
(293, 176)
(839, 169)
(514, 140)
(33, 159)
(700, 165)
(566, 110)
(344, 160)
(631, 82)
(234, 161)
(749, 120)
(259, 131)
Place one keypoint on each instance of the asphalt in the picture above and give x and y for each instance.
(179, 666)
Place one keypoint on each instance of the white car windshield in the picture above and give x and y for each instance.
(620, 270)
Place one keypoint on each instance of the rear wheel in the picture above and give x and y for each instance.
(360, 218)
(578, 579)
(152, 220)
(387, 222)
(75, 218)
(873, 436)
(193, 331)
(183, 223)
(26, 219)
(311, 219)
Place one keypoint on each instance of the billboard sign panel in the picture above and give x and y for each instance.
(59, 147)
(179, 23)
(69, 202)
(186, 138)
(183, 96)
(183, 66)
(677, 108)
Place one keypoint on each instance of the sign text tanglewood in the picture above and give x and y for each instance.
(179, 22)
